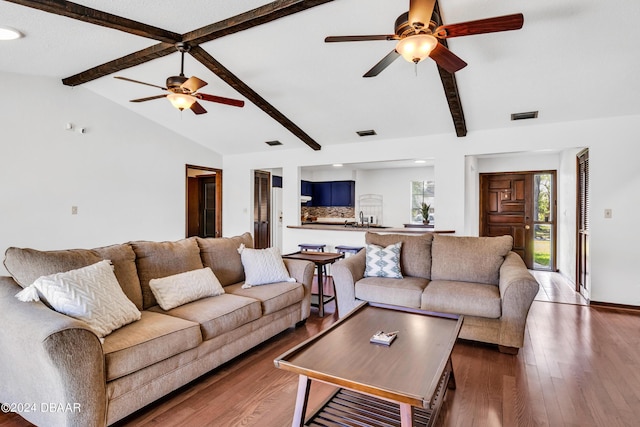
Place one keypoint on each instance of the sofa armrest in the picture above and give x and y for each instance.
(51, 365)
(346, 273)
(302, 271)
(518, 288)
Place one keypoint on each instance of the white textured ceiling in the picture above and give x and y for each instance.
(572, 60)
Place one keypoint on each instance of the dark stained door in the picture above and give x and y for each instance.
(204, 204)
(261, 209)
(506, 206)
(582, 262)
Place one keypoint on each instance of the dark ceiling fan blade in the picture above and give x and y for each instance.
(420, 12)
(384, 63)
(139, 82)
(481, 26)
(219, 99)
(150, 98)
(197, 108)
(232, 80)
(332, 39)
(193, 84)
(447, 59)
(104, 19)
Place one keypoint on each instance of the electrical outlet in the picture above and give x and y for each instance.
(74, 210)
(608, 213)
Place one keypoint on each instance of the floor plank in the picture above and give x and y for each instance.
(580, 366)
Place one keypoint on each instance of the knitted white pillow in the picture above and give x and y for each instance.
(383, 262)
(263, 266)
(91, 294)
(173, 291)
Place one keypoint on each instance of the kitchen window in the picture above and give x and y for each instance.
(422, 192)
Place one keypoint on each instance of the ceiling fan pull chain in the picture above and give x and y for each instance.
(416, 68)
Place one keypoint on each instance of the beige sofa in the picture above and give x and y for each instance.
(479, 277)
(54, 369)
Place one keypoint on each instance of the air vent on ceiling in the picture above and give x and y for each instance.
(273, 143)
(524, 116)
(369, 132)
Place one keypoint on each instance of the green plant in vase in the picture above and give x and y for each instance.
(424, 211)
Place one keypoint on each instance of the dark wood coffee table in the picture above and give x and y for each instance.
(402, 383)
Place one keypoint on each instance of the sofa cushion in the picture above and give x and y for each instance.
(153, 338)
(26, 265)
(123, 259)
(415, 256)
(221, 255)
(383, 261)
(469, 259)
(471, 299)
(181, 288)
(217, 315)
(162, 259)
(405, 292)
(263, 266)
(273, 297)
(91, 294)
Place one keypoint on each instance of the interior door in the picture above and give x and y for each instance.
(261, 209)
(582, 262)
(204, 202)
(505, 209)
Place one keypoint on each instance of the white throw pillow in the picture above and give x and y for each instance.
(173, 291)
(263, 266)
(383, 262)
(91, 294)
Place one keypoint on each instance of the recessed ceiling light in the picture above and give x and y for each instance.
(337, 165)
(420, 161)
(525, 115)
(7, 33)
(369, 132)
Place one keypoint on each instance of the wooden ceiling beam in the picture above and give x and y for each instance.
(450, 87)
(97, 17)
(253, 18)
(128, 61)
(218, 69)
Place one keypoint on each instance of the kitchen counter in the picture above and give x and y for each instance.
(372, 228)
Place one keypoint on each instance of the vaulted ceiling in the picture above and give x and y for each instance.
(572, 60)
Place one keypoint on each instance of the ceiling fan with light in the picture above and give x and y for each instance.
(418, 33)
(183, 91)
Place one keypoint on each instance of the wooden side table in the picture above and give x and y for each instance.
(320, 259)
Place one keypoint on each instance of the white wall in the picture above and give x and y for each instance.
(614, 178)
(126, 175)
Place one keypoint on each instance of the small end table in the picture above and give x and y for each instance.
(320, 259)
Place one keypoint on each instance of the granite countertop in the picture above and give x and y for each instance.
(375, 228)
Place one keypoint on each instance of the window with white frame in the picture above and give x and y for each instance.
(422, 192)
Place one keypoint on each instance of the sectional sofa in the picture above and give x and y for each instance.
(56, 370)
(478, 277)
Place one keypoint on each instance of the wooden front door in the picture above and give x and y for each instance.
(505, 206)
(522, 205)
(261, 209)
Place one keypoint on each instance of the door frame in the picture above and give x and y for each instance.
(583, 277)
(530, 221)
(189, 173)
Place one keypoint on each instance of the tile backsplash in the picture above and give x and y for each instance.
(328, 211)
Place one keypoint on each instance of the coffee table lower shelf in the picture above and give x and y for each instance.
(350, 408)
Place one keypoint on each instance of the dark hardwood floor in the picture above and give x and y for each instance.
(580, 366)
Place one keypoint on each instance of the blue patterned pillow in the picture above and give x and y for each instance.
(383, 262)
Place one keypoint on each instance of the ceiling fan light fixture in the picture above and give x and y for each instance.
(181, 100)
(417, 47)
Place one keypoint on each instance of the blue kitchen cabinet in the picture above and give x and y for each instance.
(343, 193)
(321, 194)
